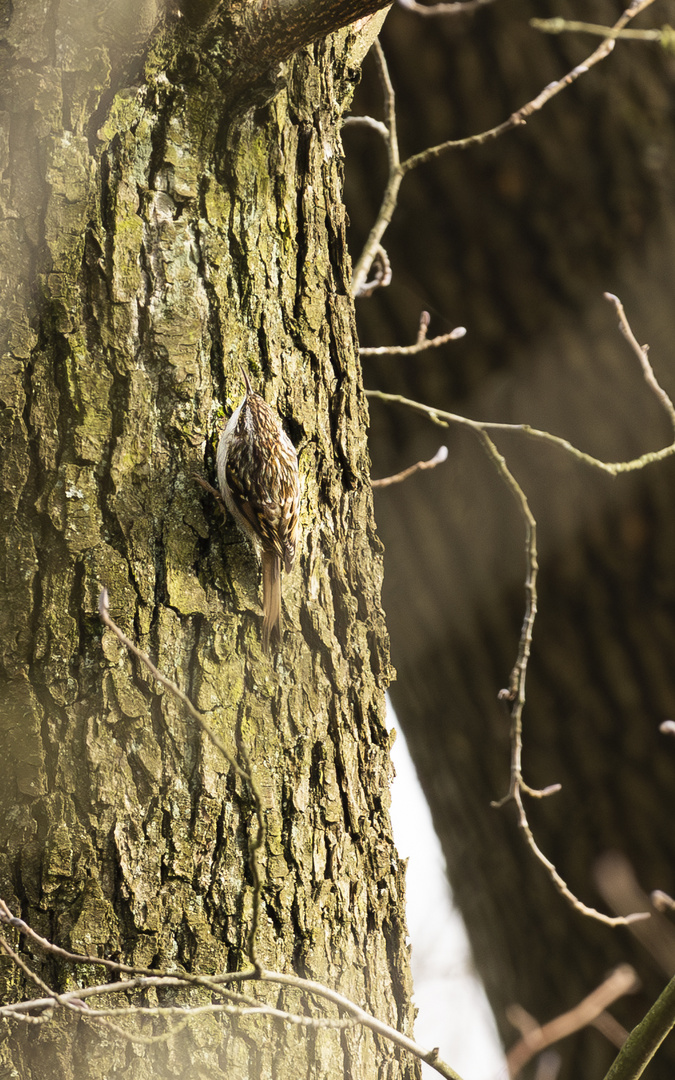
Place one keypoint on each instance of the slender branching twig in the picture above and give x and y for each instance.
(665, 36)
(516, 694)
(389, 199)
(662, 901)
(421, 345)
(386, 481)
(398, 168)
(614, 468)
(244, 774)
(418, 347)
(38, 1010)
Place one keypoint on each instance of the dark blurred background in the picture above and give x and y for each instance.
(517, 240)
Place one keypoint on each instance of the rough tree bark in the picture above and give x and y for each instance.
(171, 209)
(517, 240)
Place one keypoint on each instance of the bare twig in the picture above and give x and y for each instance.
(104, 615)
(662, 901)
(458, 8)
(429, 1056)
(516, 694)
(619, 887)
(9, 919)
(398, 169)
(80, 999)
(444, 419)
(622, 981)
(614, 468)
(665, 36)
(641, 353)
(28, 971)
(380, 268)
(440, 456)
(608, 1026)
(605, 1023)
(366, 121)
(522, 115)
(418, 347)
(557, 879)
(244, 774)
(516, 690)
(390, 197)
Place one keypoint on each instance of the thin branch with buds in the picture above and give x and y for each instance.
(398, 169)
(380, 269)
(515, 693)
(665, 36)
(421, 345)
(390, 198)
(440, 456)
(613, 468)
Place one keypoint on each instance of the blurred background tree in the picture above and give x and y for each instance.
(517, 240)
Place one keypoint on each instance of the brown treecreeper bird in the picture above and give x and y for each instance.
(258, 478)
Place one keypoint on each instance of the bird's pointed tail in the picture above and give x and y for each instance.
(271, 567)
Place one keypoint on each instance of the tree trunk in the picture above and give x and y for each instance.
(167, 218)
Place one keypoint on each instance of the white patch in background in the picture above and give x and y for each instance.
(454, 1014)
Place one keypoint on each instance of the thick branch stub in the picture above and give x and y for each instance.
(271, 32)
